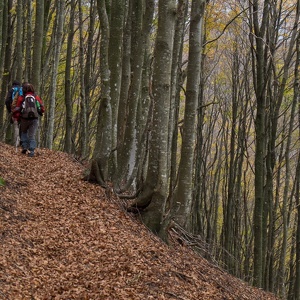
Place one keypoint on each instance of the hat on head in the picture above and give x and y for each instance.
(16, 82)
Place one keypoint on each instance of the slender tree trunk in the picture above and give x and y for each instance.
(89, 75)
(183, 195)
(4, 15)
(260, 85)
(125, 78)
(142, 116)
(3, 34)
(68, 94)
(28, 42)
(177, 83)
(128, 150)
(59, 21)
(83, 136)
(38, 46)
(229, 216)
(275, 104)
(154, 193)
(14, 66)
(115, 65)
(99, 170)
(2, 11)
(6, 50)
(297, 196)
(297, 267)
(19, 44)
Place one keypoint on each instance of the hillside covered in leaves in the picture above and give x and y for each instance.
(64, 238)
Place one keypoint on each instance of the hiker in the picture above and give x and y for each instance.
(16, 89)
(10, 103)
(28, 108)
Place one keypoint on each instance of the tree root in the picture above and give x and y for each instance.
(142, 202)
(96, 173)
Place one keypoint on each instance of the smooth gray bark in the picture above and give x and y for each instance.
(155, 189)
(58, 35)
(102, 151)
(6, 59)
(259, 26)
(68, 94)
(38, 46)
(183, 195)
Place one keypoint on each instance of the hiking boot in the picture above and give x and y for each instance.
(31, 154)
(24, 151)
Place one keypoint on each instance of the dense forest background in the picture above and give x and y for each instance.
(189, 107)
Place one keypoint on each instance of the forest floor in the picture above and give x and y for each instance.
(64, 238)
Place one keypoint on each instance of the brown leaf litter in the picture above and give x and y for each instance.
(63, 238)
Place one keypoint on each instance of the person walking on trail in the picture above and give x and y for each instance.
(15, 91)
(10, 103)
(28, 108)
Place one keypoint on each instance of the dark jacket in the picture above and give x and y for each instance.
(8, 99)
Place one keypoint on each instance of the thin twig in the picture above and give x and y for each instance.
(223, 31)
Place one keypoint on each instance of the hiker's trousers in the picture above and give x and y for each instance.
(28, 129)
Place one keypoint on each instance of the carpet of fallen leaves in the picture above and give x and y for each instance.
(64, 238)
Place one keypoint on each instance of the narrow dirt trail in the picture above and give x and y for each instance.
(62, 238)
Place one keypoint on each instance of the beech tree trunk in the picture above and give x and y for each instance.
(182, 203)
(177, 80)
(19, 45)
(68, 93)
(38, 46)
(259, 27)
(115, 65)
(140, 30)
(6, 59)
(155, 189)
(99, 170)
(58, 35)
(28, 41)
(297, 196)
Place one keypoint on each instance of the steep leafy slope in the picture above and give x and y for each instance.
(63, 238)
